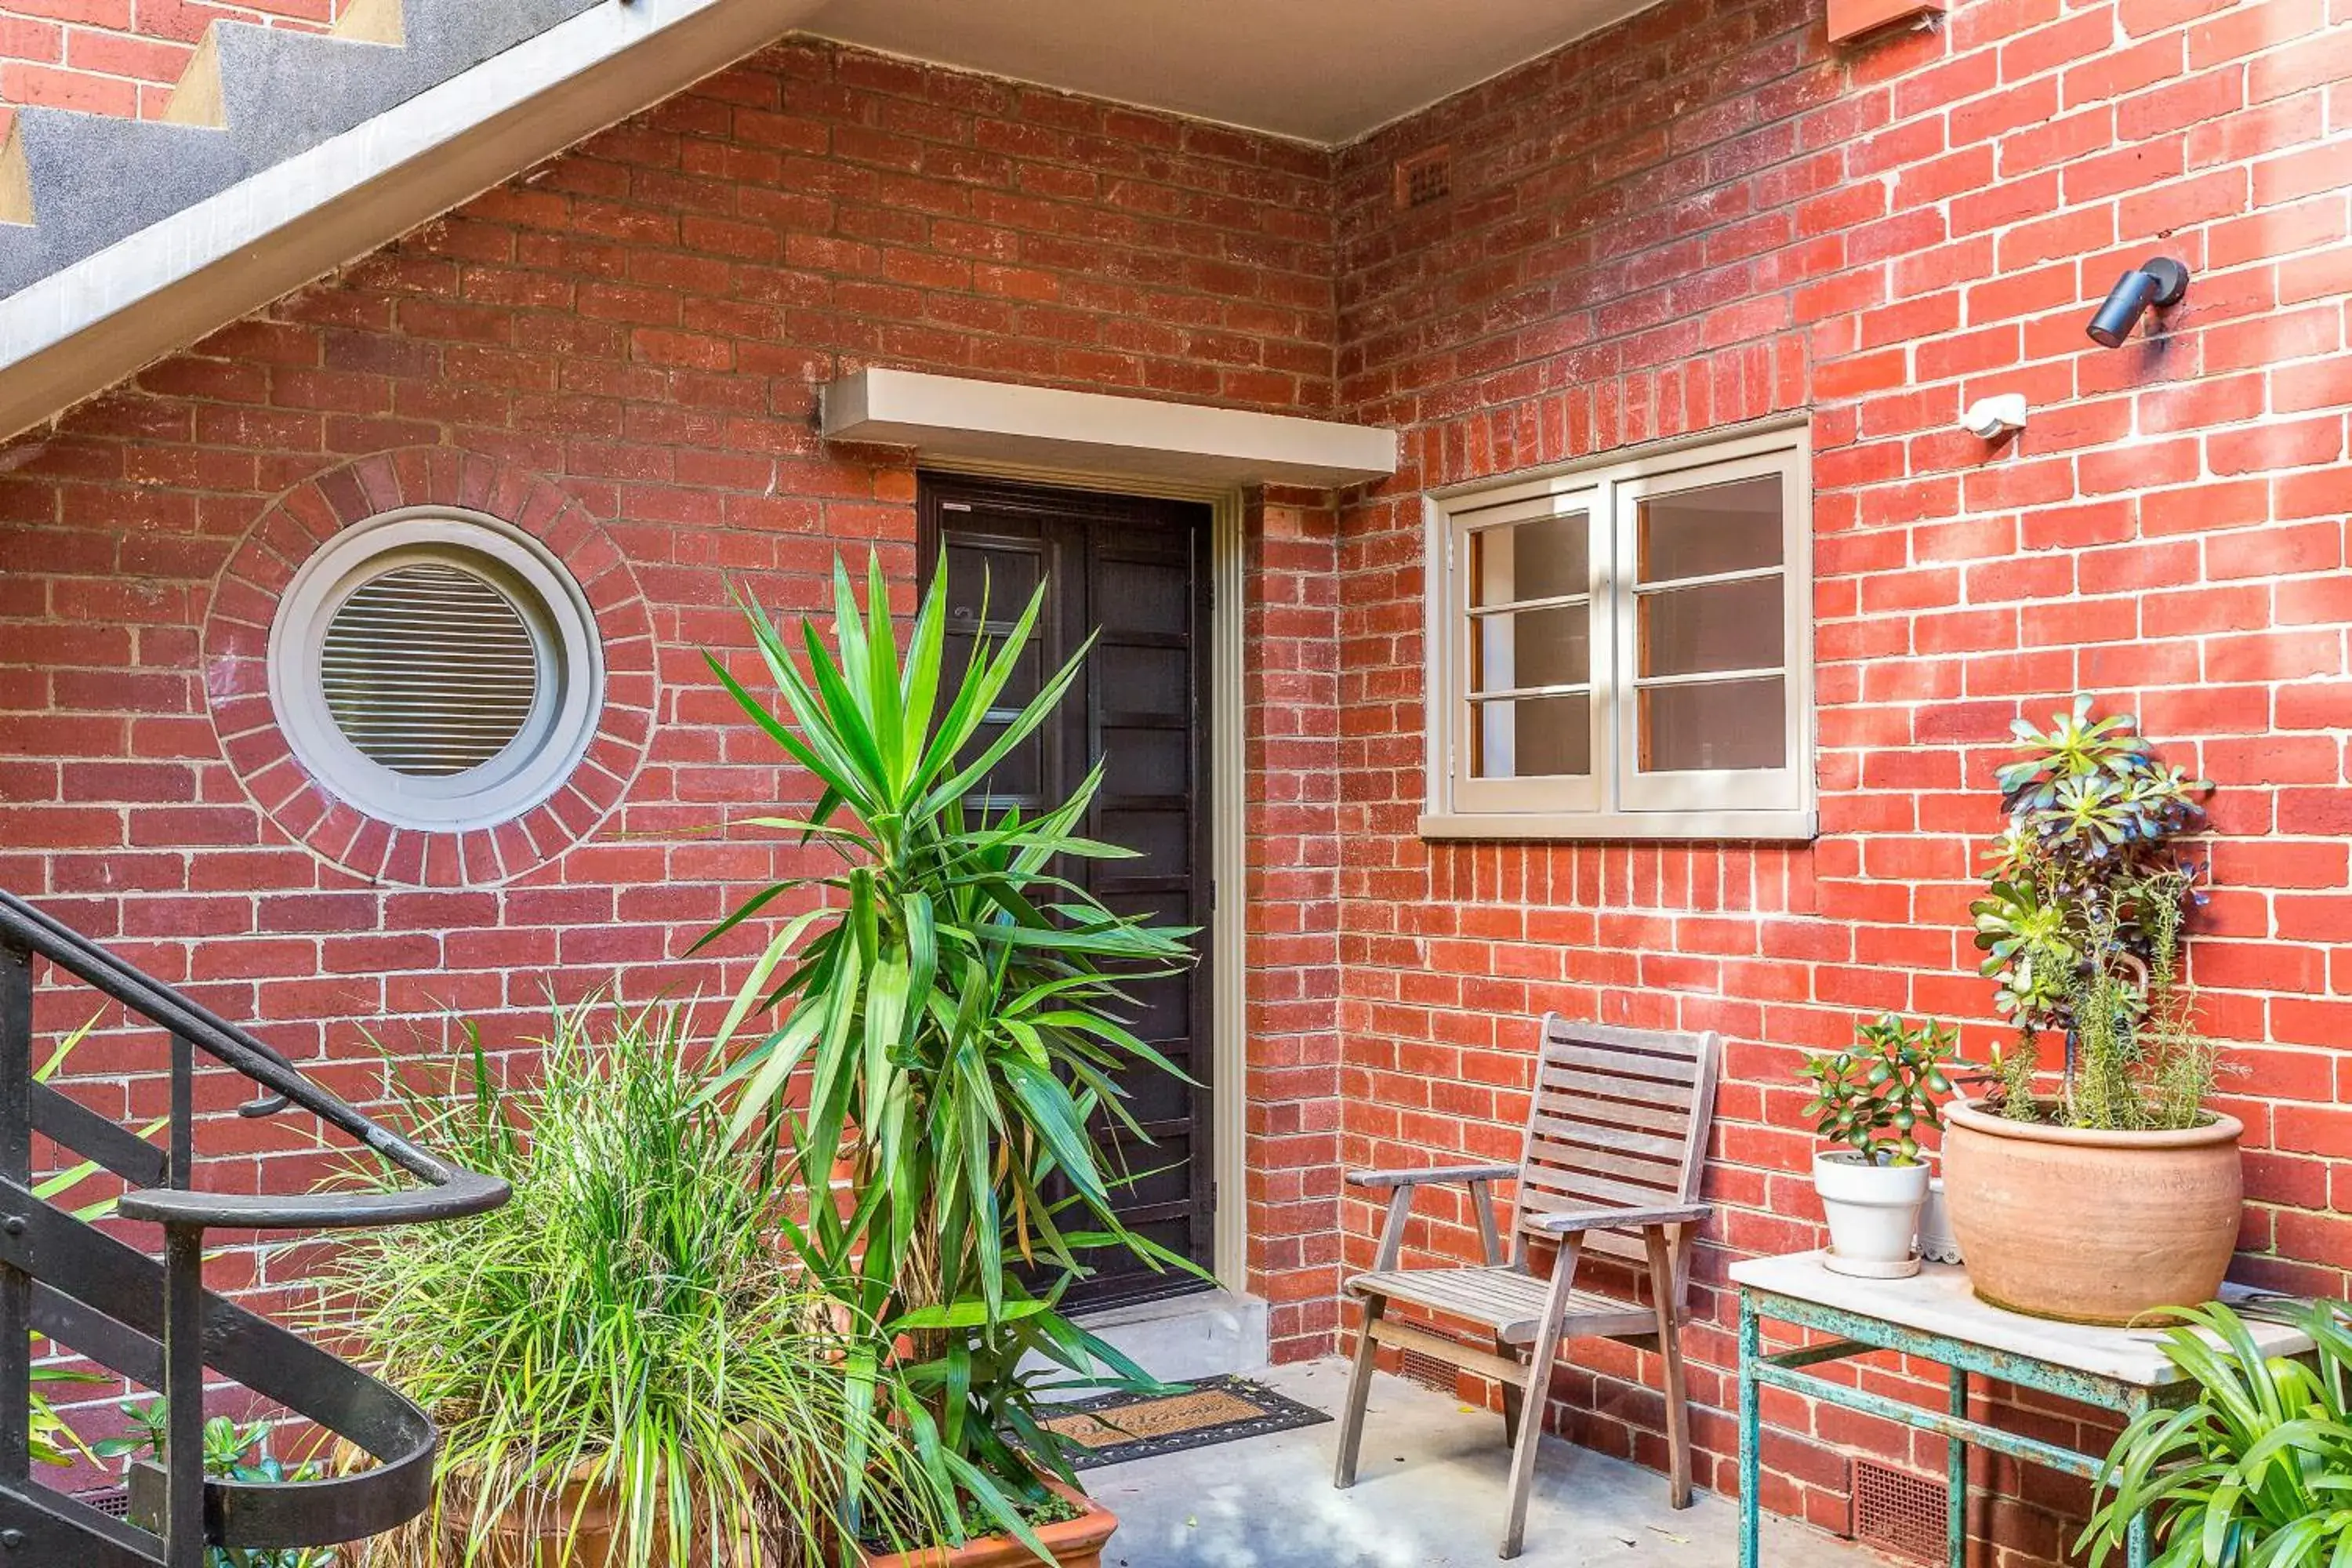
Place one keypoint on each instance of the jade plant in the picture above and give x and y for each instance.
(2080, 924)
(1878, 1094)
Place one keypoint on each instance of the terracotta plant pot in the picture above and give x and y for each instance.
(1075, 1543)
(2091, 1227)
(516, 1541)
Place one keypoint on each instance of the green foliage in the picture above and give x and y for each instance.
(54, 1440)
(943, 1028)
(2081, 920)
(1877, 1094)
(2257, 1473)
(626, 1320)
(232, 1452)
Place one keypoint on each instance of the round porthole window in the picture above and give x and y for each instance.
(435, 670)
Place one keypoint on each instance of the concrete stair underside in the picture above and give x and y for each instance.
(71, 184)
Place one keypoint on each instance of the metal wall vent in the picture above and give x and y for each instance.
(437, 669)
(1899, 1513)
(1423, 178)
(429, 670)
(1429, 1371)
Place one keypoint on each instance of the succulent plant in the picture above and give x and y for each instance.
(1878, 1093)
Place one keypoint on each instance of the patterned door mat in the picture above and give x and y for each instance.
(1112, 1428)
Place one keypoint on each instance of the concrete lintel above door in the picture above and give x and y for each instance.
(956, 418)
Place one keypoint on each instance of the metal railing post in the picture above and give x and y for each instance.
(16, 1166)
(184, 1396)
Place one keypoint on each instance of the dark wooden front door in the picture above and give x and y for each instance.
(1137, 572)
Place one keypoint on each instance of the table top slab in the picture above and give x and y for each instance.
(1937, 1300)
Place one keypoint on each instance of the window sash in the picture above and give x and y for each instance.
(1464, 702)
(1709, 789)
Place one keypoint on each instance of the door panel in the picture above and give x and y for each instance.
(1135, 571)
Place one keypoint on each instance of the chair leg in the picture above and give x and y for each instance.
(1360, 1388)
(1513, 1399)
(1670, 1349)
(1525, 1441)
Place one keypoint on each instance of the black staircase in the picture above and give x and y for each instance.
(153, 1320)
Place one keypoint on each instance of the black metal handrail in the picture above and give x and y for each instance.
(153, 1322)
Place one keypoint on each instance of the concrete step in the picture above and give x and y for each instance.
(252, 97)
(278, 92)
(89, 180)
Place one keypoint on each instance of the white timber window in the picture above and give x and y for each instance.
(1623, 648)
(437, 669)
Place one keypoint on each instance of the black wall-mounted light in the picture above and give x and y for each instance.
(2159, 281)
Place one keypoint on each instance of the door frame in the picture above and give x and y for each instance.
(1228, 800)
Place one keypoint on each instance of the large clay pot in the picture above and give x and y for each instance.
(587, 1514)
(1075, 1543)
(2091, 1227)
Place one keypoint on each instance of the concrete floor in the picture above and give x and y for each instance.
(1429, 1492)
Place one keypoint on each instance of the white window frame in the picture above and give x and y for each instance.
(1616, 801)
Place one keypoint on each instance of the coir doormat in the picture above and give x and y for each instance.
(1112, 1428)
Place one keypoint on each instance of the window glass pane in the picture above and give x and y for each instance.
(1715, 724)
(1717, 528)
(1541, 560)
(1531, 737)
(1531, 647)
(1719, 626)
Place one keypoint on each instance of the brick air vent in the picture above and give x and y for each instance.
(1898, 1512)
(1423, 178)
(1426, 1370)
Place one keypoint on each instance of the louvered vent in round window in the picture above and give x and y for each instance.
(437, 669)
(429, 670)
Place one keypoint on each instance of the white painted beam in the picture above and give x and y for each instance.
(987, 421)
(77, 332)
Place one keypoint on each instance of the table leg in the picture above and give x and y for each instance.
(1955, 1476)
(1751, 1434)
(2135, 1548)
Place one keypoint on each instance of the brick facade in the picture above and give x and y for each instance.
(1703, 216)
(1699, 216)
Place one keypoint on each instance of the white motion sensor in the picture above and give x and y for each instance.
(1993, 417)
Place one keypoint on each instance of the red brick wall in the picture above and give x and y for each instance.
(630, 338)
(1706, 215)
(122, 57)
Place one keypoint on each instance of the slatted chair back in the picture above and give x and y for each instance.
(1620, 1121)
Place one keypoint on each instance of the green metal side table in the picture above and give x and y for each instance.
(1935, 1317)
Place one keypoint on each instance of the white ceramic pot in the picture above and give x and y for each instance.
(1874, 1214)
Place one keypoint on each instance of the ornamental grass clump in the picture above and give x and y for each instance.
(624, 1336)
(2081, 924)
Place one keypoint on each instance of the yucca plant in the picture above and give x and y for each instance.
(2257, 1473)
(623, 1335)
(940, 1027)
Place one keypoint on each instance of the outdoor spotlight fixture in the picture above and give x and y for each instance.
(2159, 281)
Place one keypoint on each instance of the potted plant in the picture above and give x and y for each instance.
(2257, 1473)
(625, 1373)
(1873, 1099)
(233, 1451)
(2121, 1191)
(943, 1029)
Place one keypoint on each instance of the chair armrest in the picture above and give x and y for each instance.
(1622, 1219)
(1421, 1176)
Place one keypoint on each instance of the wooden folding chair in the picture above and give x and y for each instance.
(1616, 1141)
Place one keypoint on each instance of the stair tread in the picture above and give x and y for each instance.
(282, 93)
(81, 201)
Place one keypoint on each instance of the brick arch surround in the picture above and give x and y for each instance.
(236, 678)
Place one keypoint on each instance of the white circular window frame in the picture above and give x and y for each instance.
(554, 736)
